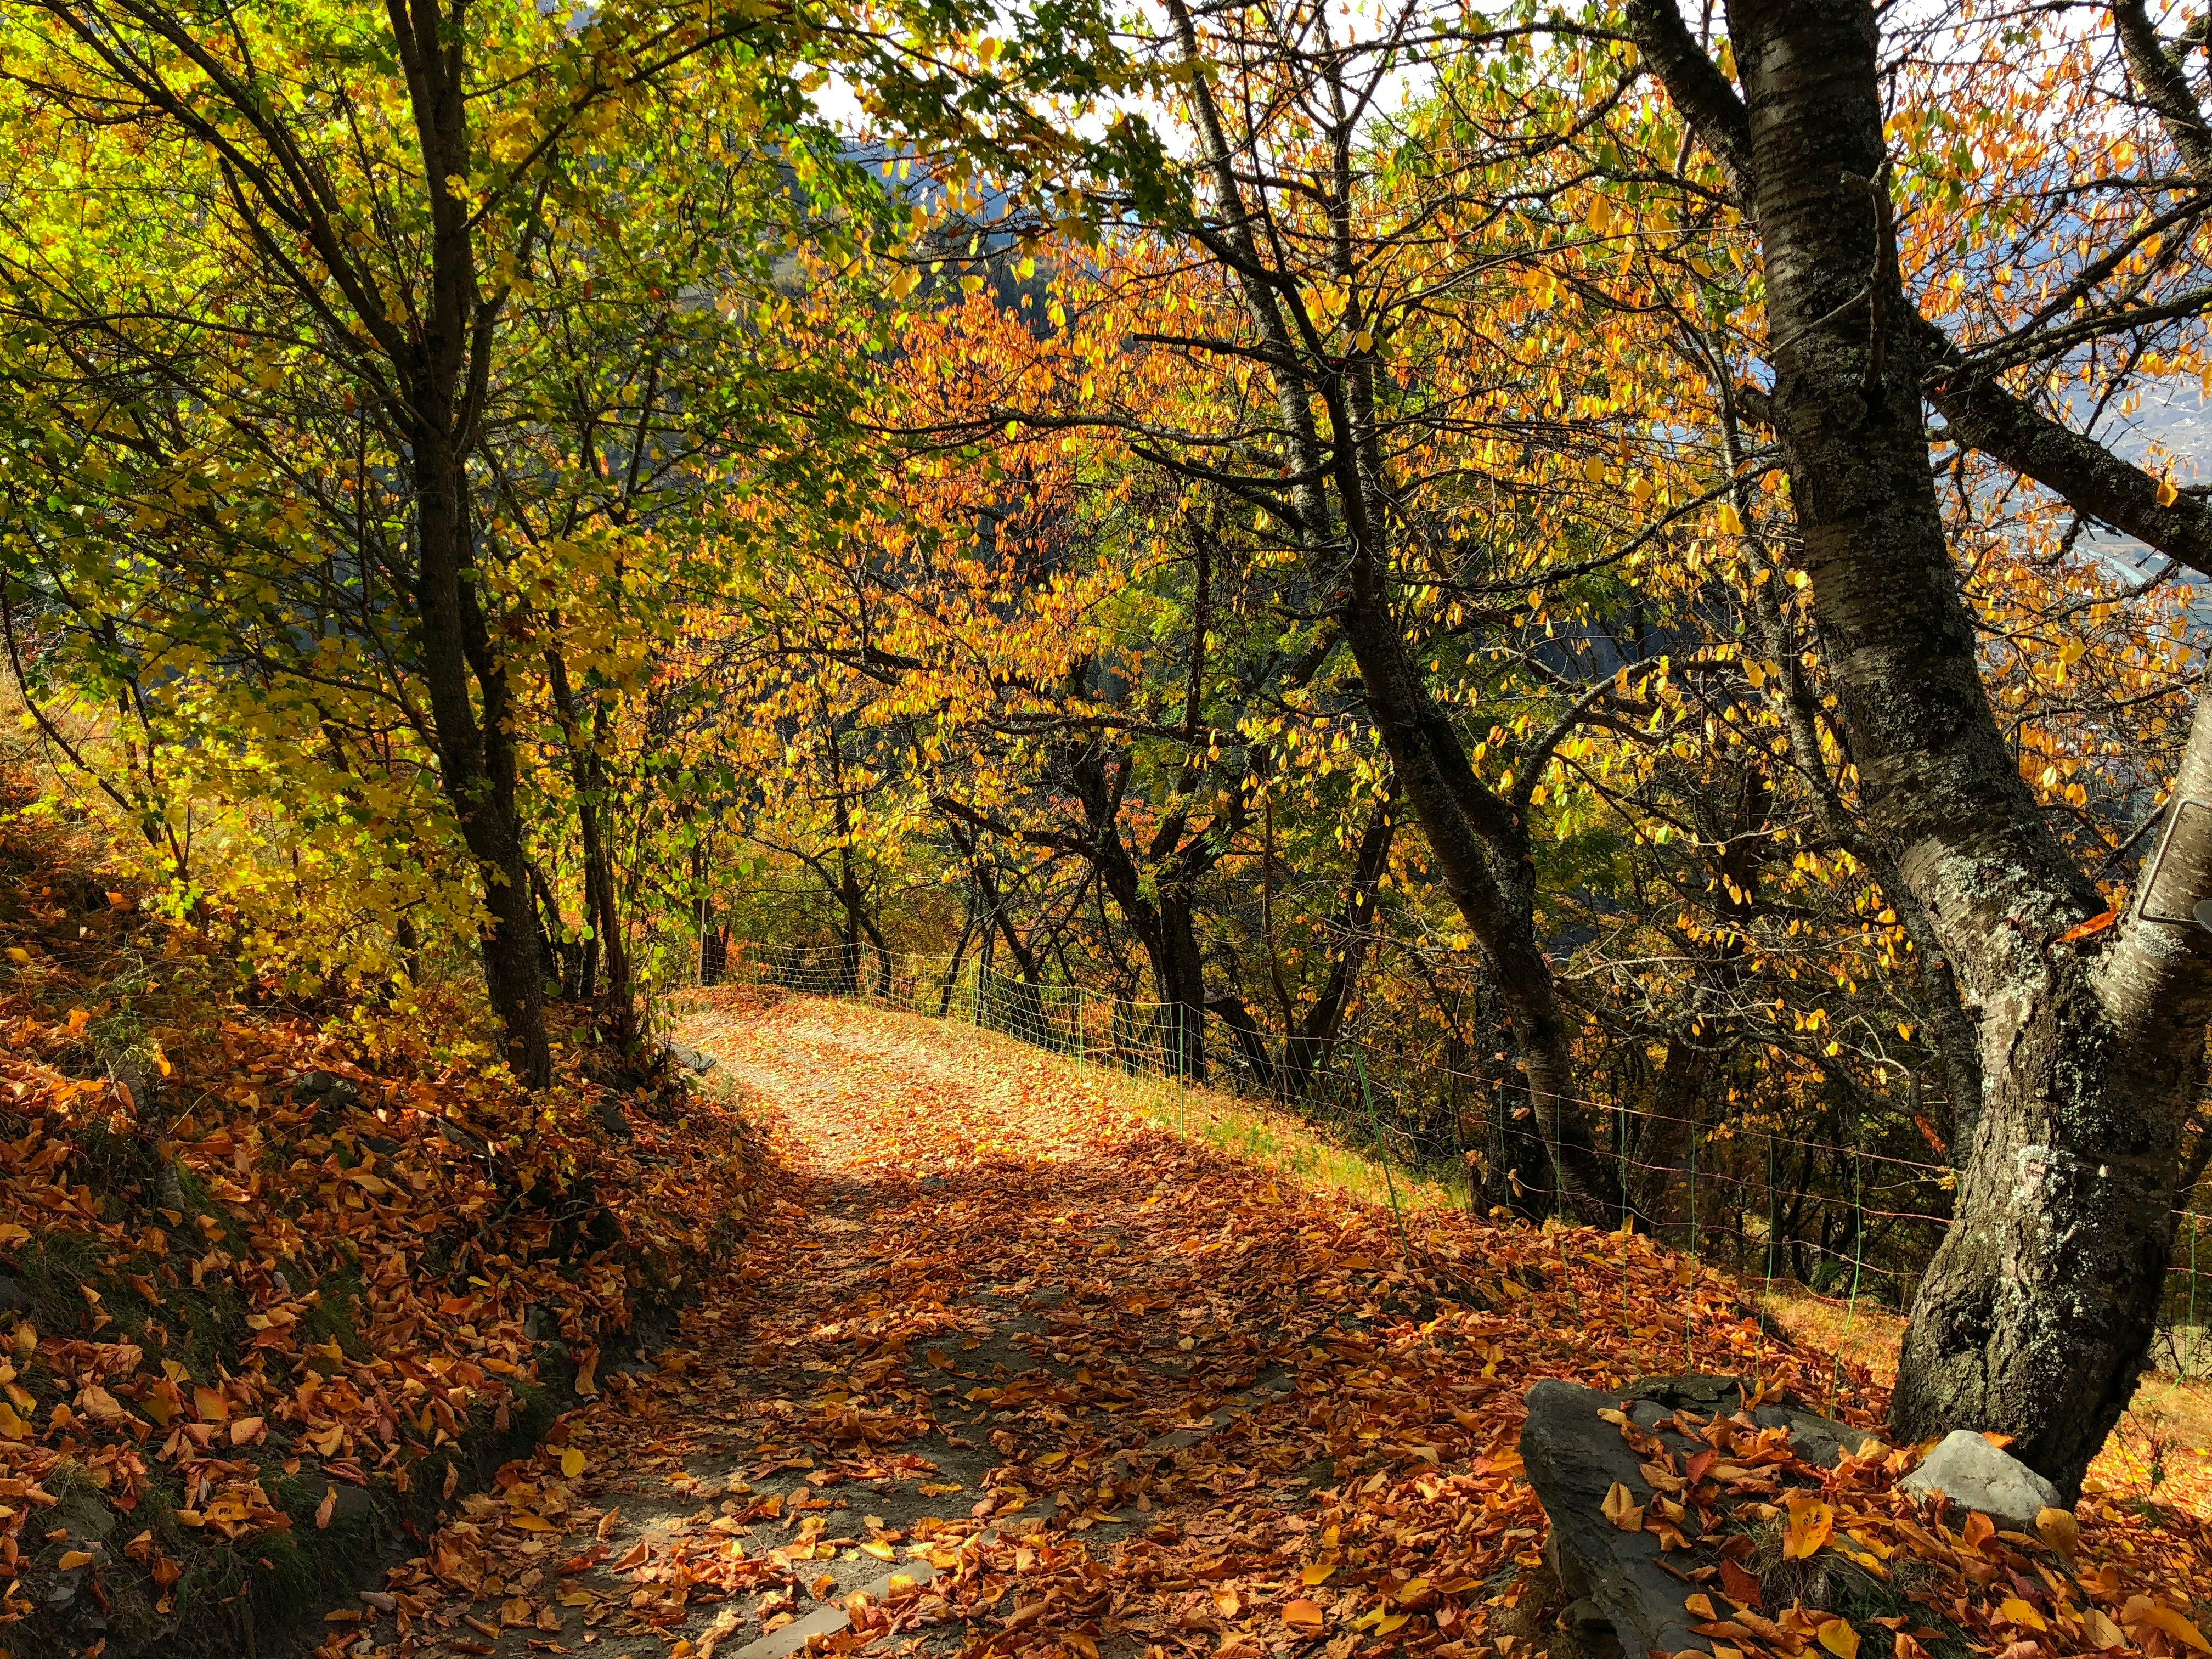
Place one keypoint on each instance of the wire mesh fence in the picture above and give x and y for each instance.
(1852, 1222)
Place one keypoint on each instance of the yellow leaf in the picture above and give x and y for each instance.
(2058, 1529)
(210, 1406)
(2021, 1612)
(1731, 520)
(572, 1463)
(2167, 496)
(881, 1551)
(1839, 1639)
(17, 953)
(1810, 1523)
(1228, 1600)
(13, 1427)
(529, 1523)
(73, 1559)
(1701, 1604)
(1315, 1572)
(2179, 1628)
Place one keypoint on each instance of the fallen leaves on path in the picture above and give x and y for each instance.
(1009, 1372)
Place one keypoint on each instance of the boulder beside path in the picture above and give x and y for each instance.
(1976, 1475)
(1574, 1456)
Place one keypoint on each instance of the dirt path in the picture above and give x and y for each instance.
(971, 1291)
(1080, 1385)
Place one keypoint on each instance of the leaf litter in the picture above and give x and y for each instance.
(1009, 1372)
(268, 1273)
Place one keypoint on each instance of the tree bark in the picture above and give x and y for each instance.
(1159, 912)
(476, 760)
(443, 374)
(1307, 1049)
(587, 776)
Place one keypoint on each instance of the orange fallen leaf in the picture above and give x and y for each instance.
(1621, 1508)
(1738, 1585)
(2082, 930)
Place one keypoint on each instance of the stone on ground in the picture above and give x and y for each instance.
(1976, 1475)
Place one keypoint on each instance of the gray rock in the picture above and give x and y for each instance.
(1573, 1458)
(1594, 1633)
(1614, 1578)
(1976, 1475)
(13, 1297)
(84, 1514)
(1816, 1438)
(690, 1059)
(352, 1500)
(320, 1092)
(468, 1140)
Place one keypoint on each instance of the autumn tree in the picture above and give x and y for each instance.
(2035, 1316)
